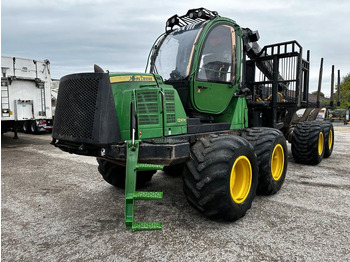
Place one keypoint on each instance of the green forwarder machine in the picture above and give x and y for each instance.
(214, 107)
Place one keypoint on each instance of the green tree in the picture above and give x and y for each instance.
(345, 92)
(315, 93)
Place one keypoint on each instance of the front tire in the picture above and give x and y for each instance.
(221, 177)
(271, 150)
(115, 174)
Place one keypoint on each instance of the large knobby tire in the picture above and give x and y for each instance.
(115, 174)
(221, 176)
(271, 150)
(308, 143)
(328, 138)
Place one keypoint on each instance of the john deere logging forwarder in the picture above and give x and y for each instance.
(213, 106)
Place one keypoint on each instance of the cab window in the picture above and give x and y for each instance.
(217, 58)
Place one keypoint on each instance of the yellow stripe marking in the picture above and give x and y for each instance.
(131, 78)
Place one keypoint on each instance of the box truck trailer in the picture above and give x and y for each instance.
(25, 95)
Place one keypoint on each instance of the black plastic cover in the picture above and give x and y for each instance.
(85, 111)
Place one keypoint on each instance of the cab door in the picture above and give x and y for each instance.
(215, 73)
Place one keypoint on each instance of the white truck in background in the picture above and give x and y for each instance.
(25, 95)
(54, 93)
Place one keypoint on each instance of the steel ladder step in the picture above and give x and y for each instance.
(143, 226)
(148, 195)
(148, 167)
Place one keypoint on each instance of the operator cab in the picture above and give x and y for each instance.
(199, 59)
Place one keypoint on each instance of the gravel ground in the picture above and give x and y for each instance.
(56, 207)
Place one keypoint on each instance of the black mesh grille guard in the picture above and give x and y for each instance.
(85, 111)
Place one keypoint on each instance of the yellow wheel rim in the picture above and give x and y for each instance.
(330, 139)
(277, 162)
(320, 143)
(240, 179)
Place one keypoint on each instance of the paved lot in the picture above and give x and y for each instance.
(56, 207)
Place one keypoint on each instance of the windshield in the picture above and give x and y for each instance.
(174, 55)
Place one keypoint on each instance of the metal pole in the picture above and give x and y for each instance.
(306, 79)
(274, 90)
(332, 86)
(36, 68)
(14, 67)
(299, 76)
(319, 84)
(338, 102)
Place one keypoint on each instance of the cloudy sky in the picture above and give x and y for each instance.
(117, 35)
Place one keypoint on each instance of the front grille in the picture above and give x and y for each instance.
(170, 107)
(148, 107)
(149, 120)
(76, 107)
(170, 118)
(147, 96)
(169, 95)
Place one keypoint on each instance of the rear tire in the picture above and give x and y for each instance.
(33, 127)
(221, 177)
(115, 174)
(308, 143)
(25, 127)
(271, 150)
(328, 138)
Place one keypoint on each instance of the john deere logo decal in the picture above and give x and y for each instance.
(132, 78)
